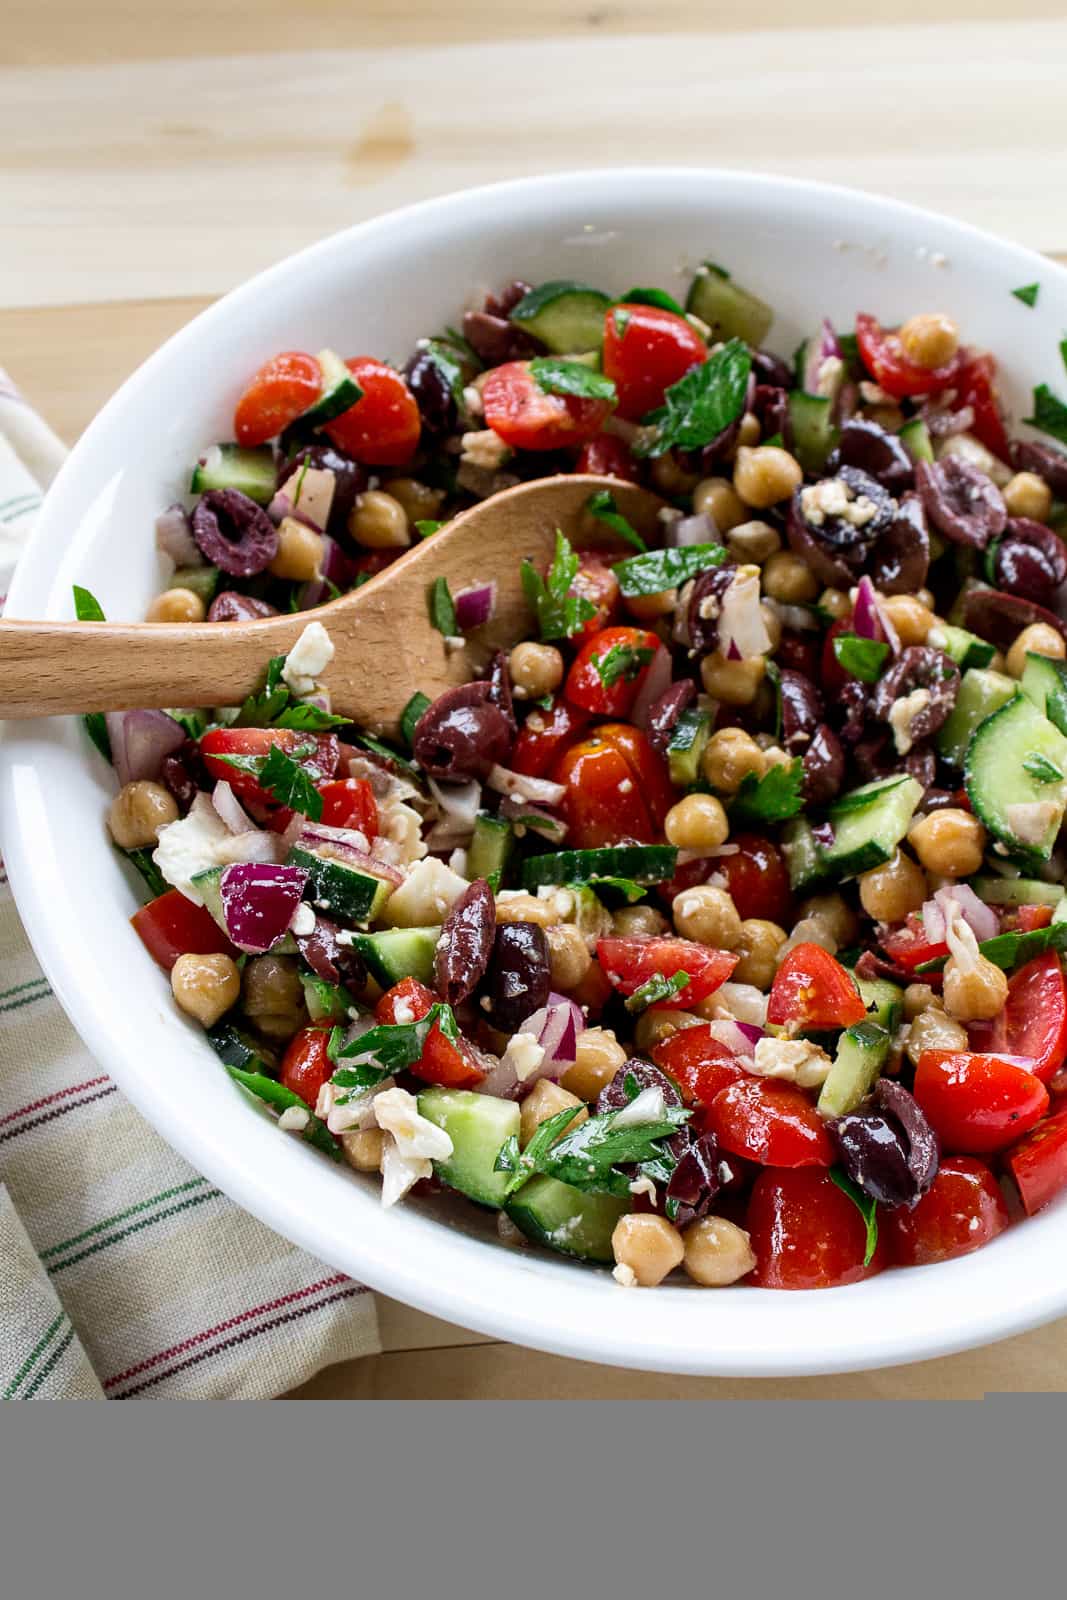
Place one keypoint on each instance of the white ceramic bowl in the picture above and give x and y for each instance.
(809, 250)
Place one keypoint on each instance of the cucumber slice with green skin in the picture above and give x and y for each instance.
(567, 1220)
(1017, 891)
(398, 953)
(490, 849)
(203, 581)
(814, 434)
(567, 317)
(868, 825)
(803, 857)
(238, 1049)
(345, 893)
(965, 649)
(981, 693)
(915, 437)
(884, 1001)
(861, 1054)
(1044, 681)
(689, 737)
(208, 886)
(999, 785)
(478, 1125)
(340, 391)
(645, 863)
(230, 466)
(728, 310)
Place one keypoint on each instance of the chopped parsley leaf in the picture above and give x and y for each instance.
(701, 404)
(554, 376)
(559, 613)
(622, 661)
(601, 505)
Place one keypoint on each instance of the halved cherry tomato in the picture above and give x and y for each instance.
(383, 426)
(1034, 1020)
(281, 391)
(806, 1233)
(596, 582)
(317, 753)
(961, 1211)
(771, 1122)
(1026, 919)
(602, 804)
(608, 456)
(975, 1102)
(757, 878)
(885, 359)
(526, 418)
(441, 1061)
(629, 963)
(832, 674)
(305, 1065)
(646, 350)
(171, 926)
(698, 1062)
(350, 803)
(1038, 1163)
(544, 735)
(814, 990)
(608, 672)
(647, 765)
(974, 388)
(909, 945)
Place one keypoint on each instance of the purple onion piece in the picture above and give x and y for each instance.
(475, 605)
(141, 741)
(174, 536)
(258, 903)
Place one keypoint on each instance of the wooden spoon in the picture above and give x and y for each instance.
(385, 644)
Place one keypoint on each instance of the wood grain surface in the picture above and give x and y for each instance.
(152, 157)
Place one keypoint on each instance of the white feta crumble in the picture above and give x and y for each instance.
(426, 895)
(831, 377)
(648, 1106)
(402, 1012)
(397, 1112)
(484, 449)
(191, 845)
(796, 1060)
(741, 1001)
(399, 841)
(902, 716)
(624, 1275)
(308, 659)
(524, 1055)
(294, 1119)
(472, 401)
(833, 498)
(303, 921)
(507, 1232)
(400, 1173)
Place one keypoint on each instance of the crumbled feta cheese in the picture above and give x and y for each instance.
(902, 716)
(872, 394)
(831, 377)
(294, 1119)
(191, 845)
(402, 1012)
(644, 1185)
(400, 1172)
(1030, 820)
(524, 1055)
(648, 1106)
(624, 1275)
(796, 1060)
(426, 895)
(399, 841)
(303, 921)
(397, 1112)
(355, 1110)
(472, 401)
(832, 497)
(485, 449)
(308, 659)
(742, 1002)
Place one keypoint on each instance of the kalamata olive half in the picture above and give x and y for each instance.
(517, 981)
(901, 556)
(498, 678)
(802, 710)
(233, 533)
(867, 445)
(466, 943)
(705, 606)
(1050, 464)
(1000, 617)
(496, 340)
(666, 710)
(824, 767)
(613, 1096)
(462, 734)
(960, 501)
(889, 1151)
(919, 667)
(427, 381)
(1029, 561)
(229, 606)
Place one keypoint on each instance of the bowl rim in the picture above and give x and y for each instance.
(1038, 1299)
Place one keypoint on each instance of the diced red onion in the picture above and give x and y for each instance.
(944, 423)
(739, 1037)
(536, 817)
(556, 1027)
(960, 900)
(474, 605)
(174, 536)
(252, 846)
(335, 568)
(258, 902)
(657, 682)
(732, 652)
(870, 620)
(140, 740)
(461, 802)
(340, 843)
(230, 809)
(823, 833)
(742, 628)
(819, 349)
(540, 790)
(698, 529)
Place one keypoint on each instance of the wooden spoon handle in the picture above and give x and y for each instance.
(48, 669)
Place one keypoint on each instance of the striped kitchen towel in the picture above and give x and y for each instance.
(122, 1271)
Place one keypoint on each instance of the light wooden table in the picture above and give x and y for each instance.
(140, 176)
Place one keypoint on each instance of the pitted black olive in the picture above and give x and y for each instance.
(613, 1096)
(802, 710)
(1029, 561)
(233, 533)
(869, 446)
(463, 734)
(900, 559)
(517, 980)
(466, 943)
(960, 501)
(889, 1151)
(919, 668)
(705, 606)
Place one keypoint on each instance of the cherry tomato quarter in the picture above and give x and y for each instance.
(961, 1211)
(757, 878)
(596, 582)
(813, 990)
(521, 413)
(451, 1065)
(646, 350)
(281, 391)
(609, 670)
(305, 1065)
(544, 736)
(317, 753)
(976, 1103)
(1034, 1020)
(807, 1234)
(384, 425)
(171, 926)
(350, 803)
(601, 804)
(772, 1122)
(1038, 1163)
(630, 963)
(698, 1062)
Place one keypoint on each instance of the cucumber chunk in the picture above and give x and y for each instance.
(340, 391)
(1013, 800)
(884, 1001)
(915, 437)
(567, 317)
(964, 648)
(566, 1219)
(803, 856)
(814, 434)
(981, 693)
(398, 953)
(477, 1124)
(230, 466)
(1044, 681)
(1017, 891)
(645, 863)
(347, 894)
(728, 309)
(868, 825)
(203, 581)
(235, 1048)
(861, 1052)
(490, 848)
(689, 737)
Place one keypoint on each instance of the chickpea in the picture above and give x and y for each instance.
(749, 431)
(636, 922)
(934, 1029)
(420, 502)
(362, 1148)
(909, 616)
(176, 605)
(528, 908)
(697, 823)
(545, 1100)
(717, 1252)
(205, 987)
(300, 551)
(568, 956)
(835, 913)
(729, 756)
(718, 498)
(652, 1027)
(975, 990)
(1027, 495)
(599, 1057)
(766, 475)
(891, 418)
(788, 578)
(649, 608)
(836, 603)
(735, 683)
(930, 340)
(649, 1246)
(379, 522)
(1039, 639)
(753, 542)
(138, 812)
(535, 669)
(998, 662)
(707, 915)
(889, 892)
(917, 997)
(273, 996)
(758, 952)
(671, 478)
(950, 843)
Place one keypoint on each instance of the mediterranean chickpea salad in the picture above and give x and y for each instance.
(718, 925)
